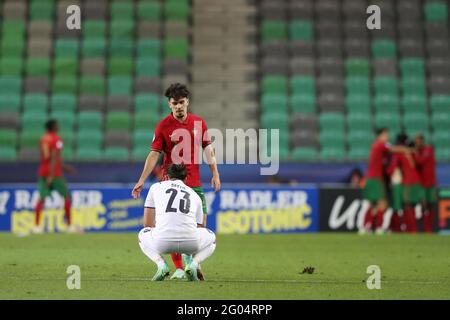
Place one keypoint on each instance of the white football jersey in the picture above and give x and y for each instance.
(178, 209)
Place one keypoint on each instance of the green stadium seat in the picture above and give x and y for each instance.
(116, 154)
(331, 121)
(274, 84)
(358, 153)
(8, 138)
(301, 30)
(89, 138)
(414, 86)
(143, 137)
(147, 103)
(8, 153)
(93, 48)
(386, 103)
(64, 102)
(441, 139)
(360, 138)
(13, 29)
(436, 11)
(147, 48)
(146, 120)
(148, 67)
(357, 67)
(440, 121)
(65, 119)
(304, 154)
(386, 86)
(329, 139)
(37, 66)
(121, 48)
(123, 29)
(149, 11)
(303, 103)
(412, 67)
(32, 119)
(438, 103)
(383, 48)
(303, 85)
(10, 102)
(120, 86)
(120, 67)
(414, 103)
(122, 10)
(89, 120)
(94, 29)
(11, 47)
(442, 155)
(11, 66)
(359, 122)
(118, 120)
(416, 122)
(88, 154)
(274, 103)
(332, 154)
(42, 10)
(389, 120)
(92, 85)
(357, 85)
(358, 103)
(140, 153)
(274, 121)
(29, 138)
(65, 66)
(10, 85)
(64, 84)
(273, 30)
(67, 154)
(35, 102)
(176, 10)
(66, 48)
(176, 48)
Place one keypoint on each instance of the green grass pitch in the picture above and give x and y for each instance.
(243, 267)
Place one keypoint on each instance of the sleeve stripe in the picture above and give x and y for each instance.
(150, 207)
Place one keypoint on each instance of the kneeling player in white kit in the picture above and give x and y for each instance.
(173, 218)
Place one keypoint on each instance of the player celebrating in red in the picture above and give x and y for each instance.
(412, 189)
(374, 190)
(50, 173)
(189, 131)
(426, 165)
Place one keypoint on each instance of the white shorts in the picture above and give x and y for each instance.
(205, 238)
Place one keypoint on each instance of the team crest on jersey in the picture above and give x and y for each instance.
(59, 144)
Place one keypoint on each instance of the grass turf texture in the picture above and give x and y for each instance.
(243, 267)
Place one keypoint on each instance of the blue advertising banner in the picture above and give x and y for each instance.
(241, 209)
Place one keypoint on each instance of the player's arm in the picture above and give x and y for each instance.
(201, 218)
(212, 162)
(399, 149)
(51, 175)
(149, 165)
(149, 217)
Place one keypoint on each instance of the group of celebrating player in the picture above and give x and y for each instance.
(401, 176)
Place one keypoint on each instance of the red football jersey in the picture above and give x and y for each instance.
(167, 137)
(54, 144)
(426, 165)
(410, 174)
(378, 153)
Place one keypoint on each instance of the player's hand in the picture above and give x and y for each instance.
(69, 169)
(215, 183)
(137, 189)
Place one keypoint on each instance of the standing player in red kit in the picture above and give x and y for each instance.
(426, 165)
(188, 130)
(374, 190)
(50, 173)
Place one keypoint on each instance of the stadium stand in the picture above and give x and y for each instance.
(307, 68)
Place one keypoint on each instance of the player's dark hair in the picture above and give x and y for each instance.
(402, 139)
(177, 171)
(177, 91)
(379, 131)
(50, 125)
